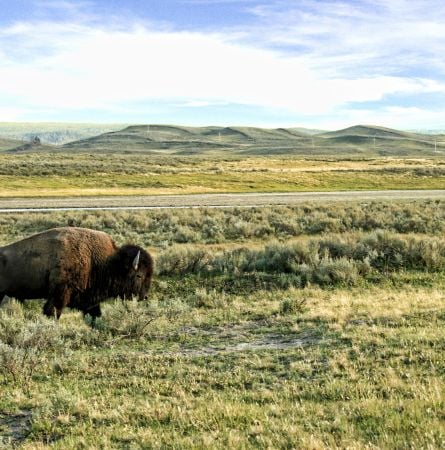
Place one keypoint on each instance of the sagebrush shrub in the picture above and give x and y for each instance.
(27, 346)
(326, 261)
(156, 228)
(130, 319)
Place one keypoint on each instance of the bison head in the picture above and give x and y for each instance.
(131, 271)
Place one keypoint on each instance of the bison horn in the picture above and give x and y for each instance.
(136, 261)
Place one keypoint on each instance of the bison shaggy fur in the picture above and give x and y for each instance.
(75, 267)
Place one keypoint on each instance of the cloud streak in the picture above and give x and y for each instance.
(369, 36)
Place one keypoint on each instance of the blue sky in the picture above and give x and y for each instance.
(321, 64)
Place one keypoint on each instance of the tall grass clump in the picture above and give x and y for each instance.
(183, 259)
(386, 251)
(325, 261)
(27, 346)
(126, 320)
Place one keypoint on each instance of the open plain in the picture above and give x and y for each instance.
(298, 302)
(317, 325)
(282, 163)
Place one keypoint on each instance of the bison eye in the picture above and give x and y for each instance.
(139, 276)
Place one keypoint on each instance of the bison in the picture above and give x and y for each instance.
(75, 267)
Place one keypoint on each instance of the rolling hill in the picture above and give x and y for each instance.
(371, 131)
(213, 140)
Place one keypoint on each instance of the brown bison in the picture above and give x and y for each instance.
(74, 267)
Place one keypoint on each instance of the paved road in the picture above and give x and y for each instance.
(206, 200)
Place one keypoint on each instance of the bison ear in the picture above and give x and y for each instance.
(136, 261)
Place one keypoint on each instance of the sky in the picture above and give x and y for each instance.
(324, 64)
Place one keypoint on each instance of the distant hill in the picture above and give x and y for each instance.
(54, 133)
(170, 139)
(381, 140)
(226, 141)
(190, 140)
(8, 144)
(371, 131)
(31, 146)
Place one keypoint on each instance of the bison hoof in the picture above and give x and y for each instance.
(50, 311)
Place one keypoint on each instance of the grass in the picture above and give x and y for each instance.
(160, 229)
(241, 358)
(192, 184)
(37, 175)
(358, 363)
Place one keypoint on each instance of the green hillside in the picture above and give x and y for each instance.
(359, 140)
(372, 131)
(168, 139)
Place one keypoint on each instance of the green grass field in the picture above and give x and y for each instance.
(314, 326)
(42, 174)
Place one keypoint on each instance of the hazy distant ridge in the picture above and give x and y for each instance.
(54, 133)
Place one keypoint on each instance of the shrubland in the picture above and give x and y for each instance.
(312, 326)
(163, 228)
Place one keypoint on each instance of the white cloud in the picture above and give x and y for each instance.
(308, 61)
(79, 66)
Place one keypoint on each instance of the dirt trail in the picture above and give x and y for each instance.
(206, 200)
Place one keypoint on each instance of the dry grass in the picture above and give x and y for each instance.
(60, 175)
(363, 307)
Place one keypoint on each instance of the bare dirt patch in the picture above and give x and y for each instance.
(14, 427)
(241, 338)
(267, 342)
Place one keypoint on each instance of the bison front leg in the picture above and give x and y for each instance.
(59, 298)
(49, 309)
(93, 311)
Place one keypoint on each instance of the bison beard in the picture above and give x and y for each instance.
(75, 267)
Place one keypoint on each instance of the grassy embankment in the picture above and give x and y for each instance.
(286, 327)
(33, 175)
